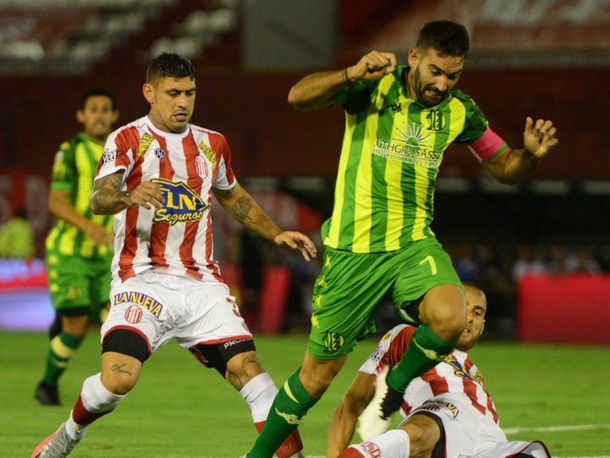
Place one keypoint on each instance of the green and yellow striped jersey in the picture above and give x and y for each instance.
(392, 149)
(73, 171)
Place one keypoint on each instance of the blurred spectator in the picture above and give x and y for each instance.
(528, 261)
(17, 237)
(582, 262)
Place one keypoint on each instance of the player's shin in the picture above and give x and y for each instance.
(425, 351)
(94, 401)
(291, 404)
(259, 394)
(391, 444)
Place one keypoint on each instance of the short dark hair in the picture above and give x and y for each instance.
(94, 91)
(170, 65)
(446, 37)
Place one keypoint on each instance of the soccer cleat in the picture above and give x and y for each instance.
(47, 395)
(57, 445)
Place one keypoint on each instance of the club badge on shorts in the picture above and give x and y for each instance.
(133, 314)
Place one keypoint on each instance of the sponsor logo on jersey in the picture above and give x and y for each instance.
(411, 146)
(182, 203)
(108, 155)
(333, 341)
(145, 142)
(141, 299)
(133, 314)
(460, 371)
(209, 152)
(377, 355)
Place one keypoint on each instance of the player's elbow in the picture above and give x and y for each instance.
(295, 100)
(95, 205)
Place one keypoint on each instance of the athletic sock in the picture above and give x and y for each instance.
(391, 444)
(94, 401)
(259, 394)
(425, 351)
(291, 404)
(61, 349)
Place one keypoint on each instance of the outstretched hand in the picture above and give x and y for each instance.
(297, 241)
(539, 138)
(373, 66)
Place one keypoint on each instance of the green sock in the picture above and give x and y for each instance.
(288, 409)
(425, 351)
(61, 350)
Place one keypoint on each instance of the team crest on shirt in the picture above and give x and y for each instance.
(181, 203)
(201, 167)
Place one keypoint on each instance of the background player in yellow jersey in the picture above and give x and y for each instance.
(79, 246)
(378, 241)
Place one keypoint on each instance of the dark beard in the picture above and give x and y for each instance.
(420, 91)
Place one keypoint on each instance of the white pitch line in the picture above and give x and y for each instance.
(552, 429)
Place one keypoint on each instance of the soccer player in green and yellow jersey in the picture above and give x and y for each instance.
(399, 121)
(79, 246)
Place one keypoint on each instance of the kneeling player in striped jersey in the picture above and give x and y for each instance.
(448, 411)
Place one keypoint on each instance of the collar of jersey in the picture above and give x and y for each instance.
(162, 133)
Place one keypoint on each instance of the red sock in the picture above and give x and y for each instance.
(290, 446)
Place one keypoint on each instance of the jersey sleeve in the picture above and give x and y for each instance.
(483, 142)
(389, 350)
(118, 152)
(224, 178)
(64, 174)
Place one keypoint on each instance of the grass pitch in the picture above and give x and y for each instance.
(559, 394)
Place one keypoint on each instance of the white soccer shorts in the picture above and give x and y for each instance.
(162, 307)
(468, 434)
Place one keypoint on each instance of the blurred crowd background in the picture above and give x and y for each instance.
(539, 58)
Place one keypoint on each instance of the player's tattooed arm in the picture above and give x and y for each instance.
(108, 199)
(242, 206)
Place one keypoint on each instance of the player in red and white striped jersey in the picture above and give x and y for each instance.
(157, 176)
(448, 411)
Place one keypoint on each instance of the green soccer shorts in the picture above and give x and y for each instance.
(351, 285)
(78, 284)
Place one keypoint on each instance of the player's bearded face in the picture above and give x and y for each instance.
(173, 103)
(433, 76)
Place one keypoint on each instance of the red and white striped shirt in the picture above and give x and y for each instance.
(457, 374)
(177, 238)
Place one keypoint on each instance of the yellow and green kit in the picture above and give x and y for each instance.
(78, 269)
(378, 240)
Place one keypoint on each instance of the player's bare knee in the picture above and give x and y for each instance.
(423, 434)
(120, 380)
(242, 368)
